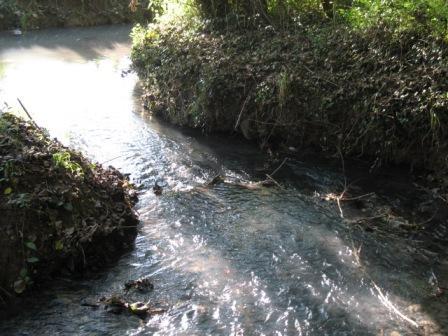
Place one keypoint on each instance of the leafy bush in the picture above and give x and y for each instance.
(9, 11)
(63, 159)
(379, 92)
(430, 16)
(27, 14)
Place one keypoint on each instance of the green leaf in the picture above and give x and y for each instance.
(19, 286)
(32, 260)
(23, 272)
(31, 245)
(8, 191)
(69, 231)
(58, 245)
(68, 206)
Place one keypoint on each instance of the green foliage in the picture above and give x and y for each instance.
(8, 172)
(31, 245)
(368, 77)
(326, 87)
(424, 15)
(22, 282)
(58, 245)
(30, 14)
(20, 200)
(63, 159)
(429, 16)
(48, 208)
(8, 14)
(283, 88)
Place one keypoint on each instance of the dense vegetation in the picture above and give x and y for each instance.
(27, 14)
(363, 77)
(424, 15)
(60, 212)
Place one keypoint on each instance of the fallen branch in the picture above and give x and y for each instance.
(338, 201)
(363, 219)
(391, 306)
(278, 168)
(275, 182)
(357, 197)
(6, 292)
(117, 157)
(28, 114)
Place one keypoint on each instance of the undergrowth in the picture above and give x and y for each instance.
(27, 14)
(60, 212)
(377, 92)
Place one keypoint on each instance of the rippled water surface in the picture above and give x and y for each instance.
(224, 260)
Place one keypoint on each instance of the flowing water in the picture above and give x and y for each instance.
(224, 260)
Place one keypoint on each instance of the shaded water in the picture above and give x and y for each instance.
(224, 261)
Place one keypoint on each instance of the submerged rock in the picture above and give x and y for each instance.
(61, 213)
(141, 285)
(158, 189)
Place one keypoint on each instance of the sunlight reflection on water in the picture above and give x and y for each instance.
(225, 261)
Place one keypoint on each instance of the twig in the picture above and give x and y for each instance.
(127, 227)
(241, 112)
(320, 78)
(272, 179)
(117, 157)
(6, 292)
(341, 196)
(435, 195)
(363, 219)
(390, 305)
(83, 256)
(383, 299)
(430, 218)
(343, 166)
(27, 113)
(356, 253)
(381, 296)
(338, 201)
(357, 197)
(278, 168)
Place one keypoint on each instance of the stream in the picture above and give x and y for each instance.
(225, 260)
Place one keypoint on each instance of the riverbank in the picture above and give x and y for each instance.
(31, 15)
(228, 256)
(378, 94)
(61, 214)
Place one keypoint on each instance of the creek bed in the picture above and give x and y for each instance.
(224, 260)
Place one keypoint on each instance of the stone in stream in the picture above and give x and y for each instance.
(141, 285)
(158, 187)
(117, 305)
